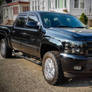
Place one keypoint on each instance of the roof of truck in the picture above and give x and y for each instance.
(26, 13)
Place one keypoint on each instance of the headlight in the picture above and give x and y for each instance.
(74, 47)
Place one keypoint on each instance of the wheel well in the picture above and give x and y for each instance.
(45, 48)
(1, 37)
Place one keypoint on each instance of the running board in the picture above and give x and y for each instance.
(32, 59)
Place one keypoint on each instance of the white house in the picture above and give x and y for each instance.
(11, 10)
(74, 7)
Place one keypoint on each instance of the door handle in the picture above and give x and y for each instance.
(24, 34)
(13, 31)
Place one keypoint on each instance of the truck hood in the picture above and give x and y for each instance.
(72, 33)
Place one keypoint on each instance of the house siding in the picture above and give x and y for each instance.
(11, 10)
(49, 5)
(78, 11)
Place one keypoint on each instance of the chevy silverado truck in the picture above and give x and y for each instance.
(60, 41)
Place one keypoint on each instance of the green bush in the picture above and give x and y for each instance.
(84, 18)
(90, 28)
(1, 2)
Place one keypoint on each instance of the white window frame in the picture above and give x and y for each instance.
(74, 5)
(78, 5)
(58, 4)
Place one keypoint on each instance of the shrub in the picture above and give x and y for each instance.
(84, 18)
(1, 2)
(90, 28)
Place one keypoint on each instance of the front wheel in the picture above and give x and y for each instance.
(5, 50)
(52, 68)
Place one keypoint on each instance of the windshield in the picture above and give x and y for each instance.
(60, 20)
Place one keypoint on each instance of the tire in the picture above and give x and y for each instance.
(52, 68)
(5, 50)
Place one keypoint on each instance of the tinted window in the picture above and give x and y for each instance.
(32, 18)
(20, 22)
(60, 20)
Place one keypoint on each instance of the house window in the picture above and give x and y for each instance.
(43, 5)
(26, 8)
(35, 5)
(52, 4)
(58, 3)
(15, 10)
(65, 5)
(81, 3)
(38, 5)
(49, 4)
(55, 3)
(76, 3)
(32, 5)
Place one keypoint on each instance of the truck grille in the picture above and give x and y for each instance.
(89, 48)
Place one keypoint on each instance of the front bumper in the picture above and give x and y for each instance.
(69, 61)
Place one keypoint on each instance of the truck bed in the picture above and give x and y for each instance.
(5, 26)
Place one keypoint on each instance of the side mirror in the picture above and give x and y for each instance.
(32, 25)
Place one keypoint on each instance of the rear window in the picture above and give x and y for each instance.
(20, 22)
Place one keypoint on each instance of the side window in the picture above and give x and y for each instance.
(47, 22)
(20, 22)
(32, 18)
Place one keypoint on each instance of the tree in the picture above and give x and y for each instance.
(84, 18)
(1, 2)
(8, 1)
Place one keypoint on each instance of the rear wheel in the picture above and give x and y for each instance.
(5, 50)
(52, 68)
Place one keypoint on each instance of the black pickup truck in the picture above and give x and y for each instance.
(60, 41)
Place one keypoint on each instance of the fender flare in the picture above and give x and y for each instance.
(52, 41)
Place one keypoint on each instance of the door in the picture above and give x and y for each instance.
(26, 38)
(18, 32)
(32, 37)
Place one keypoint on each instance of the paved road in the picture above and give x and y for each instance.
(19, 75)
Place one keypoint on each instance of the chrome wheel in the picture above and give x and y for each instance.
(49, 69)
